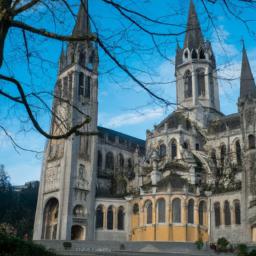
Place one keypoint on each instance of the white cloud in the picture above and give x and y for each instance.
(220, 43)
(133, 118)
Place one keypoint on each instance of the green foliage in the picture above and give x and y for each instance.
(242, 250)
(252, 253)
(222, 244)
(17, 208)
(12, 246)
(199, 244)
(67, 245)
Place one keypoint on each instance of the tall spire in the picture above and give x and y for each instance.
(82, 23)
(194, 36)
(247, 83)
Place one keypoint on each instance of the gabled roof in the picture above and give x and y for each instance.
(194, 37)
(247, 83)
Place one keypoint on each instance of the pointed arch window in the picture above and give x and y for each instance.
(223, 152)
(82, 58)
(238, 153)
(227, 213)
(191, 211)
(121, 162)
(194, 54)
(110, 218)
(173, 149)
(87, 92)
(176, 210)
(213, 157)
(99, 216)
(162, 150)
(109, 161)
(161, 210)
(202, 213)
(211, 81)
(251, 141)
(148, 208)
(99, 162)
(201, 54)
(237, 212)
(120, 218)
(81, 84)
(187, 84)
(217, 214)
(201, 81)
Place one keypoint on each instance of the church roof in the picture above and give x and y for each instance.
(194, 37)
(132, 139)
(247, 83)
(82, 23)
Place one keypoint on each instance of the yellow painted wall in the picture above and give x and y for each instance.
(140, 231)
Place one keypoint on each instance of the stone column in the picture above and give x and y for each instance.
(104, 218)
(115, 218)
(194, 85)
(207, 85)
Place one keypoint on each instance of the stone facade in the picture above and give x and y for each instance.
(193, 178)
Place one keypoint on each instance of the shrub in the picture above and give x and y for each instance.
(252, 253)
(222, 244)
(199, 244)
(242, 250)
(67, 245)
(12, 246)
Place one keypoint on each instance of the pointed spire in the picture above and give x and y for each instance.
(247, 83)
(194, 36)
(82, 23)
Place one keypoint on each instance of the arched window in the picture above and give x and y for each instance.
(223, 153)
(251, 141)
(194, 54)
(187, 84)
(176, 210)
(78, 211)
(87, 91)
(81, 84)
(82, 58)
(227, 213)
(186, 54)
(201, 82)
(173, 149)
(238, 153)
(162, 150)
(211, 81)
(237, 212)
(109, 161)
(213, 157)
(50, 219)
(202, 213)
(201, 54)
(191, 211)
(99, 161)
(148, 208)
(121, 162)
(217, 214)
(136, 209)
(161, 210)
(99, 216)
(120, 218)
(110, 217)
(77, 232)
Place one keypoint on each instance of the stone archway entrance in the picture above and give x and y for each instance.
(50, 223)
(254, 233)
(77, 233)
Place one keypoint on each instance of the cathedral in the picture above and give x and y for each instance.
(193, 178)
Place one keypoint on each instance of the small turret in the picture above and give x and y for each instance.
(247, 83)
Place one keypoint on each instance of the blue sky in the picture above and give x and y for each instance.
(123, 106)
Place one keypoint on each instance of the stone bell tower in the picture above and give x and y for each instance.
(247, 110)
(195, 69)
(65, 204)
